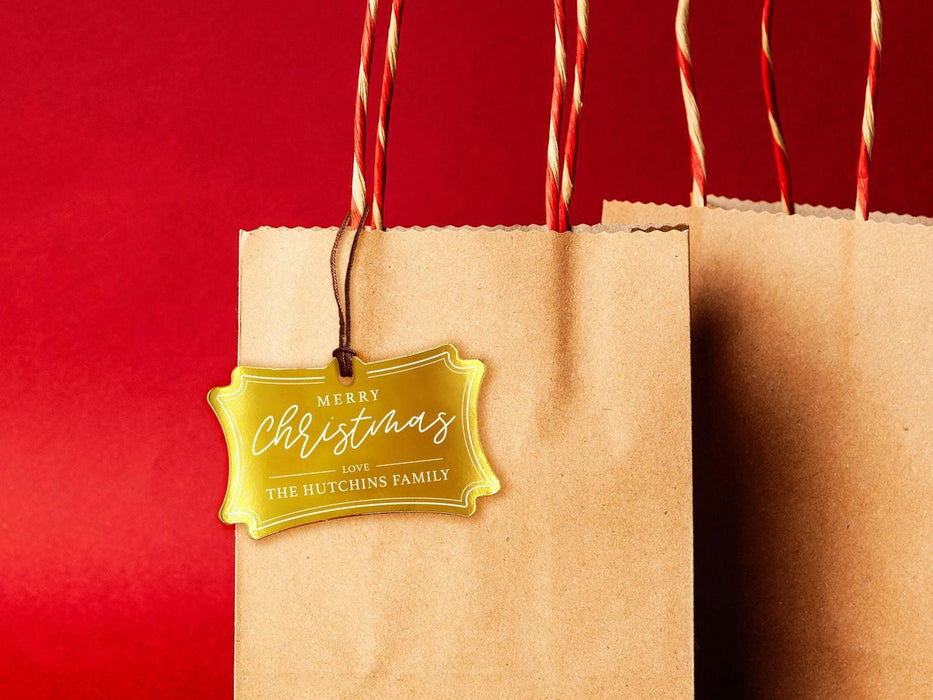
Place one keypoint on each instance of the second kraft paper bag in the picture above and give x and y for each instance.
(812, 346)
(575, 579)
(812, 343)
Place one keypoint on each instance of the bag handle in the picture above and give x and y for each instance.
(697, 148)
(385, 105)
(358, 205)
(557, 205)
(685, 64)
(781, 161)
(868, 114)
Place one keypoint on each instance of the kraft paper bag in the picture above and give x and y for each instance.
(813, 441)
(576, 578)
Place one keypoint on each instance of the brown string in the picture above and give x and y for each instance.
(344, 352)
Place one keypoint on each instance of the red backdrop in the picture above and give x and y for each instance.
(138, 138)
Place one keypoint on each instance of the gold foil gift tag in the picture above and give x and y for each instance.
(304, 446)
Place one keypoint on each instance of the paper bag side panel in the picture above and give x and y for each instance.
(576, 578)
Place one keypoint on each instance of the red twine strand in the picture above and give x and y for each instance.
(868, 116)
(551, 194)
(781, 160)
(557, 199)
(573, 126)
(385, 105)
(697, 148)
(358, 189)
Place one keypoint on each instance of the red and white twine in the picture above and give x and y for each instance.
(774, 117)
(557, 201)
(552, 206)
(573, 125)
(358, 189)
(868, 116)
(697, 148)
(358, 205)
(385, 105)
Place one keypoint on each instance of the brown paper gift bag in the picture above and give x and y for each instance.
(812, 344)
(575, 579)
(811, 352)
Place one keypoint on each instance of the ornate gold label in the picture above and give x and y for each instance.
(304, 446)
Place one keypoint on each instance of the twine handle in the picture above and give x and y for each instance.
(552, 208)
(868, 115)
(385, 105)
(358, 186)
(697, 147)
(557, 201)
(573, 126)
(781, 161)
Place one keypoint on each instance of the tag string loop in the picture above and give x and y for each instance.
(344, 352)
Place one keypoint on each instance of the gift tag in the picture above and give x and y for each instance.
(305, 446)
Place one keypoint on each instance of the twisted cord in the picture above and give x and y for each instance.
(868, 115)
(573, 134)
(385, 105)
(552, 207)
(697, 148)
(358, 190)
(782, 163)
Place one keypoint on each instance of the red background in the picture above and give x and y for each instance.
(138, 138)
